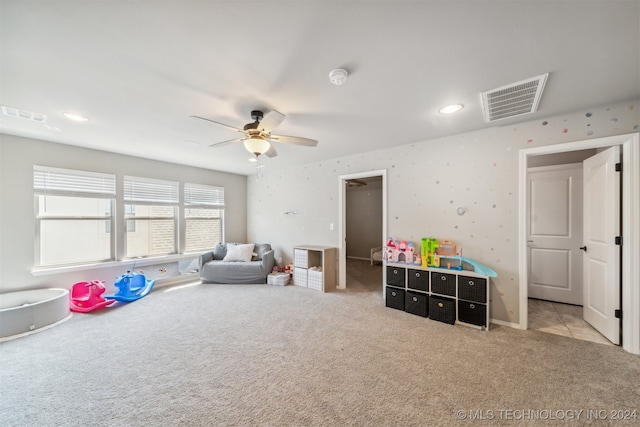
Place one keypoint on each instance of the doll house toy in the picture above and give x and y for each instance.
(87, 296)
(131, 287)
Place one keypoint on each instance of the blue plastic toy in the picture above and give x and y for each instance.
(131, 287)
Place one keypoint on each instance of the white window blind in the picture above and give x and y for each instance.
(152, 191)
(54, 181)
(204, 196)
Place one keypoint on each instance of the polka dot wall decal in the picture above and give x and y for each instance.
(545, 123)
(437, 182)
(629, 107)
(529, 141)
(589, 114)
(565, 130)
(613, 120)
(494, 206)
(636, 127)
(590, 133)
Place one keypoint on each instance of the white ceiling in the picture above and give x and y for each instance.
(139, 69)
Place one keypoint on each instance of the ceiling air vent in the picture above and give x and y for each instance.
(23, 114)
(513, 100)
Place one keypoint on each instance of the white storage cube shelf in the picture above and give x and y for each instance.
(305, 258)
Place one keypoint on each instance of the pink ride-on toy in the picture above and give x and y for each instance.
(85, 297)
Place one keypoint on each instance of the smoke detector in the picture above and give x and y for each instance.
(338, 76)
(513, 100)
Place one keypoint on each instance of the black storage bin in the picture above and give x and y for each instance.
(472, 289)
(443, 283)
(442, 309)
(395, 298)
(416, 303)
(419, 280)
(395, 276)
(473, 313)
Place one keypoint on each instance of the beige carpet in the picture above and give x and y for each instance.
(241, 355)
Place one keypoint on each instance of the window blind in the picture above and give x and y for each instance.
(54, 181)
(203, 195)
(147, 190)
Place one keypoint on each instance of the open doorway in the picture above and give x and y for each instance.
(362, 227)
(630, 218)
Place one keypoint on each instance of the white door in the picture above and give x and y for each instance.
(555, 233)
(601, 256)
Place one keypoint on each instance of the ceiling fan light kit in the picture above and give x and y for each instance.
(257, 137)
(256, 145)
(338, 76)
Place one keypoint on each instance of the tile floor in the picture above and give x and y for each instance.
(562, 319)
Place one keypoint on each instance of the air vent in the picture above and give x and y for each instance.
(23, 114)
(513, 100)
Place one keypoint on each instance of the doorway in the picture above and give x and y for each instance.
(360, 251)
(630, 217)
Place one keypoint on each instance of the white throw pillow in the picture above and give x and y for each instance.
(239, 252)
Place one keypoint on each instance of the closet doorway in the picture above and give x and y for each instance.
(629, 305)
(363, 224)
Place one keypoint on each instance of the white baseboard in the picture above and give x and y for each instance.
(503, 323)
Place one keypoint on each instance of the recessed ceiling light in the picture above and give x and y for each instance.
(450, 109)
(76, 117)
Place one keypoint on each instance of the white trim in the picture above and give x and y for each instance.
(630, 233)
(503, 323)
(342, 214)
(137, 262)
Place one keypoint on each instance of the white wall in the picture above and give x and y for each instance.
(17, 157)
(427, 181)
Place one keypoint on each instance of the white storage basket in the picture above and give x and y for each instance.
(314, 279)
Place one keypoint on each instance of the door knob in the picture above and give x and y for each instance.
(583, 248)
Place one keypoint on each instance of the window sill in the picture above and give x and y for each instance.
(137, 262)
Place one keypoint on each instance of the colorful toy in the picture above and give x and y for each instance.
(447, 248)
(388, 254)
(131, 287)
(87, 296)
(400, 251)
(429, 247)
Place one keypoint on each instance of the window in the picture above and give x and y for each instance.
(203, 212)
(150, 214)
(74, 213)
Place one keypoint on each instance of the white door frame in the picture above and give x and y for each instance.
(630, 144)
(342, 245)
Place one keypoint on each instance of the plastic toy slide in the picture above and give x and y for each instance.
(87, 296)
(477, 267)
(131, 287)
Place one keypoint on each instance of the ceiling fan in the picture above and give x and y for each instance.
(351, 183)
(257, 137)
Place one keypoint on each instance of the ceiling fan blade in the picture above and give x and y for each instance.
(271, 120)
(222, 143)
(218, 123)
(271, 152)
(297, 140)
